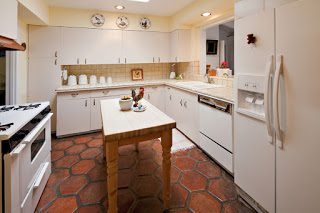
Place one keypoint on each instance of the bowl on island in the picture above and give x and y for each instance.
(125, 103)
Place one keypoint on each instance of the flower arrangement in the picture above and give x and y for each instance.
(224, 65)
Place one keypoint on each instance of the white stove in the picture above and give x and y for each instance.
(25, 137)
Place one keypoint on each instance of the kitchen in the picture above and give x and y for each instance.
(221, 99)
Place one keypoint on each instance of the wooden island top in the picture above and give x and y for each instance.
(128, 127)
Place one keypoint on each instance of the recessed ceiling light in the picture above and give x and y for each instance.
(206, 14)
(119, 7)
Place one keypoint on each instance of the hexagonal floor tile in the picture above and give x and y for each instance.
(202, 202)
(145, 186)
(193, 181)
(66, 161)
(209, 169)
(178, 196)
(148, 205)
(185, 163)
(125, 200)
(56, 155)
(95, 143)
(90, 209)
(125, 178)
(63, 204)
(93, 193)
(73, 185)
(146, 153)
(197, 155)
(90, 153)
(236, 207)
(223, 189)
(75, 149)
(82, 167)
(146, 167)
(98, 173)
(57, 177)
(62, 145)
(47, 197)
(175, 174)
(82, 139)
(126, 162)
(126, 150)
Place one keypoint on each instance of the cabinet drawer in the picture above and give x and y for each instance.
(221, 155)
(110, 92)
(74, 95)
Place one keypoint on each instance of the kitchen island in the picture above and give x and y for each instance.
(128, 127)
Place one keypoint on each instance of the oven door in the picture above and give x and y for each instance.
(35, 153)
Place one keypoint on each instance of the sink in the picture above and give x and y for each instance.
(197, 85)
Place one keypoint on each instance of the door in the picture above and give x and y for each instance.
(174, 43)
(191, 117)
(254, 155)
(184, 46)
(48, 37)
(74, 115)
(161, 47)
(297, 164)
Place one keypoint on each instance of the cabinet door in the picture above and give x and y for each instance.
(190, 118)
(44, 77)
(44, 42)
(74, 116)
(169, 102)
(110, 47)
(184, 46)
(79, 45)
(161, 47)
(174, 39)
(138, 47)
(9, 19)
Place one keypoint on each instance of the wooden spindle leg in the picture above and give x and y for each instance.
(166, 142)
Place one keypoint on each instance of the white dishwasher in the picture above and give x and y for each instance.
(216, 130)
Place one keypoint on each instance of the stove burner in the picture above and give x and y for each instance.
(6, 108)
(27, 107)
(4, 127)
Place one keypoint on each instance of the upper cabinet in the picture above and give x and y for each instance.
(9, 19)
(146, 47)
(180, 46)
(48, 37)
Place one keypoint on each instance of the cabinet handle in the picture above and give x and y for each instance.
(56, 54)
(181, 102)
(94, 102)
(85, 61)
(55, 61)
(74, 94)
(153, 59)
(125, 60)
(176, 59)
(149, 96)
(118, 60)
(77, 60)
(105, 92)
(159, 60)
(170, 97)
(86, 103)
(185, 104)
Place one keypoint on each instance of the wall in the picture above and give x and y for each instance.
(81, 18)
(22, 64)
(34, 11)
(121, 72)
(213, 34)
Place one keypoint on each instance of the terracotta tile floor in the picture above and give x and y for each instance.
(78, 180)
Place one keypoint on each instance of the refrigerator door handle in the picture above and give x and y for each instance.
(267, 99)
(276, 87)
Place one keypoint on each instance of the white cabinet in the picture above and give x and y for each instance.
(44, 42)
(180, 41)
(79, 45)
(73, 114)
(9, 19)
(146, 47)
(110, 50)
(183, 108)
(155, 95)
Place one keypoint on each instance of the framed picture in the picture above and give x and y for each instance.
(137, 74)
(212, 47)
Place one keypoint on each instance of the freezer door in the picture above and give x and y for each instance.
(254, 155)
(297, 164)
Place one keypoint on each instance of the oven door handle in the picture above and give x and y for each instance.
(40, 176)
(30, 137)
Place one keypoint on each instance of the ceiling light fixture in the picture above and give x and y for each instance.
(119, 7)
(206, 14)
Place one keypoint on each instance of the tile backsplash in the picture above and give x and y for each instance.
(153, 71)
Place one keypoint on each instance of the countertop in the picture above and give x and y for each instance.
(223, 93)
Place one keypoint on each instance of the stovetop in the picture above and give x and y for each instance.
(13, 118)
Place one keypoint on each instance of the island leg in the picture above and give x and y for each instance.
(112, 175)
(166, 142)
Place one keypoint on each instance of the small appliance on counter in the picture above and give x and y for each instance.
(93, 80)
(83, 80)
(102, 80)
(72, 80)
(172, 72)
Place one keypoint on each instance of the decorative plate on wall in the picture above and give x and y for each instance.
(122, 22)
(145, 23)
(97, 20)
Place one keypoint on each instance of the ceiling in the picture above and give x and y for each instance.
(154, 7)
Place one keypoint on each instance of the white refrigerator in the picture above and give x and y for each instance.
(277, 159)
